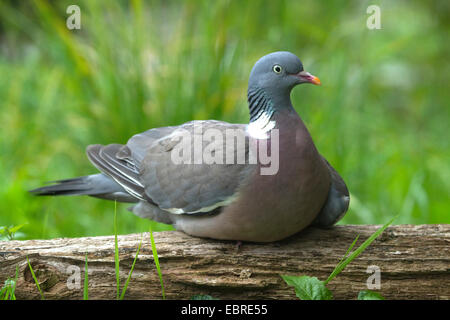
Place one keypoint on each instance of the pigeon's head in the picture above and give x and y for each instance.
(279, 72)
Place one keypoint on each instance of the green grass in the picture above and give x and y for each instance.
(122, 295)
(7, 292)
(86, 279)
(156, 259)
(35, 279)
(9, 232)
(350, 257)
(116, 253)
(119, 295)
(380, 117)
(311, 288)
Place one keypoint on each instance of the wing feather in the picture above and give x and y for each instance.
(121, 174)
(145, 169)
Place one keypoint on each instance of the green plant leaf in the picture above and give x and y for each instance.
(308, 288)
(9, 232)
(369, 295)
(14, 229)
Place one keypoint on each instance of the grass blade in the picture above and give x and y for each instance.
(35, 279)
(86, 289)
(342, 259)
(155, 257)
(116, 252)
(13, 294)
(349, 249)
(7, 291)
(131, 271)
(358, 251)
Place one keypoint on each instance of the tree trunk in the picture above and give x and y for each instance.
(413, 263)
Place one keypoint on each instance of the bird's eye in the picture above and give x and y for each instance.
(277, 69)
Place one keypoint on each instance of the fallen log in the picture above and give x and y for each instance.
(413, 261)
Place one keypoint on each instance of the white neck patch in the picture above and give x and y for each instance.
(259, 128)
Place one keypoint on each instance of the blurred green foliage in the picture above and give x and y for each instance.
(381, 116)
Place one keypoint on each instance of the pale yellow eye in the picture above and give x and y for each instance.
(277, 69)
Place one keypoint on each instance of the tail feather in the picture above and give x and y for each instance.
(97, 185)
(74, 186)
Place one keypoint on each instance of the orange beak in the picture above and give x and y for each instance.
(308, 77)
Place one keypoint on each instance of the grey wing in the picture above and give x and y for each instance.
(145, 168)
(184, 185)
(106, 159)
(337, 201)
(122, 165)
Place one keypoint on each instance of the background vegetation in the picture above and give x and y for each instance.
(381, 116)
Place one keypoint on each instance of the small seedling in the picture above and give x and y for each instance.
(8, 233)
(311, 288)
(7, 292)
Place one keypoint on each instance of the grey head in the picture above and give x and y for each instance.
(272, 79)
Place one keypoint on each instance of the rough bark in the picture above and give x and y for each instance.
(414, 264)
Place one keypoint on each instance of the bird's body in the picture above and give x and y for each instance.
(244, 219)
(225, 200)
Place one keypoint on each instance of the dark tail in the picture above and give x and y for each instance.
(67, 187)
(97, 185)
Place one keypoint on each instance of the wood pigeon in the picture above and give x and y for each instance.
(226, 198)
